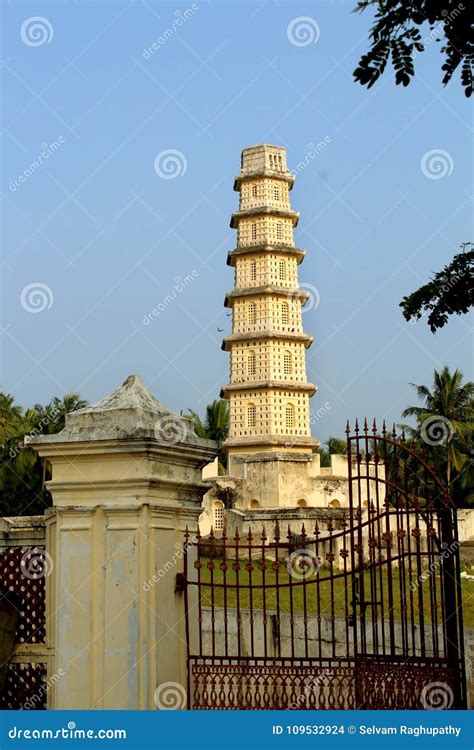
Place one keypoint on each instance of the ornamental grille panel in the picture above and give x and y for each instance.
(362, 611)
(22, 590)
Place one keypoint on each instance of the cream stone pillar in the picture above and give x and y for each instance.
(126, 481)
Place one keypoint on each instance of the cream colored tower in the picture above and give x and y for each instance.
(268, 392)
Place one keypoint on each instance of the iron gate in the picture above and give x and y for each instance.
(361, 611)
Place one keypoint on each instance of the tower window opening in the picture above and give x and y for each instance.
(279, 230)
(289, 416)
(276, 193)
(254, 231)
(252, 364)
(285, 313)
(282, 270)
(218, 515)
(252, 313)
(253, 270)
(251, 415)
(287, 363)
(254, 191)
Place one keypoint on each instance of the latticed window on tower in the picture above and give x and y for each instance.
(289, 416)
(251, 415)
(252, 364)
(254, 231)
(276, 193)
(287, 365)
(285, 313)
(252, 313)
(279, 230)
(254, 191)
(282, 270)
(253, 270)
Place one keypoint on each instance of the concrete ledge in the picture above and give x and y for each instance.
(232, 255)
(286, 385)
(257, 291)
(304, 338)
(22, 531)
(286, 213)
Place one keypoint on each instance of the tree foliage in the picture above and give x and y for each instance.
(215, 425)
(403, 29)
(22, 472)
(445, 427)
(451, 291)
(333, 445)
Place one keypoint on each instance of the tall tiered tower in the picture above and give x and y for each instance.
(268, 391)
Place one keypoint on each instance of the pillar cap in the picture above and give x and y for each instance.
(129, 412)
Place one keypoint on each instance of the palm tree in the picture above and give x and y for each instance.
(59, 407)
(10, 417)
(334, 445)
(215, 426)
(21, 470)
(445, 421)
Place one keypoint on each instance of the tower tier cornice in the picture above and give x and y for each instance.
(292, 442)
(264, 211)
(274, 175)
(232, 255)
(269, 290)
(273, 385)
(303, 338)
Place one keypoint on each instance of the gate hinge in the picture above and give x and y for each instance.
(180, 583)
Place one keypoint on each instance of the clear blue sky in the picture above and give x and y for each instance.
(109, 237)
